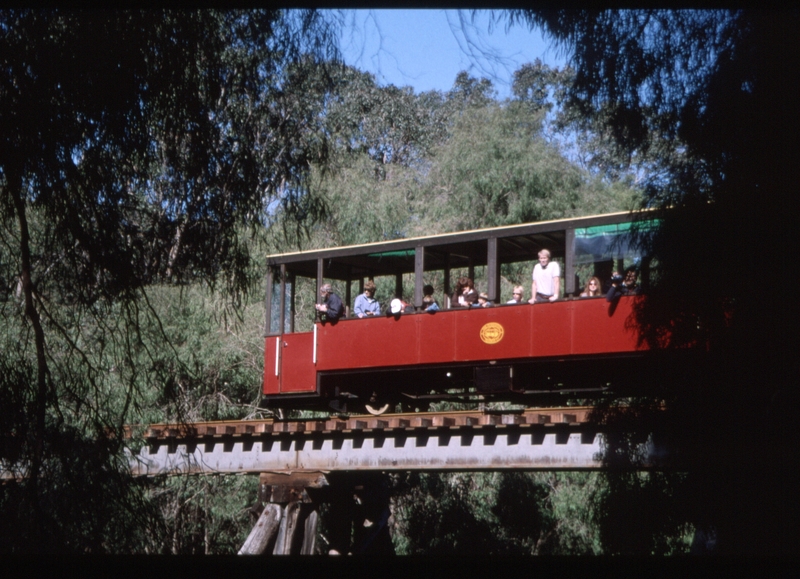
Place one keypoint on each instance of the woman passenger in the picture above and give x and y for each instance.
(465, 294)
(518, 294)
(468, 296)
(592, 288)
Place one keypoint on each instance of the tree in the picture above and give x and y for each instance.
(136, 148)
(497, 168)
(717, 83)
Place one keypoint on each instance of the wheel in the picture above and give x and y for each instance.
(375, 410)
(374, 405)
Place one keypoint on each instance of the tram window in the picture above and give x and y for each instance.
(275, 311)
(603, 249)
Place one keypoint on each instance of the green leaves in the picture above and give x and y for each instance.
(136, 149)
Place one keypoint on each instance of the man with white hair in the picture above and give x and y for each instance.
(546, 279)
(332, 306)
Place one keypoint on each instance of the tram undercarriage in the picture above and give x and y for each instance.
(522, 382)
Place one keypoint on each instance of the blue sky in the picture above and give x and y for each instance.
(426, 49)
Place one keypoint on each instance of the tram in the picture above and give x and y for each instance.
(528, 354)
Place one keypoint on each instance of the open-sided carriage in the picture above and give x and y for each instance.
(525, 353)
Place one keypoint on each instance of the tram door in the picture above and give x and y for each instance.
(288, 356)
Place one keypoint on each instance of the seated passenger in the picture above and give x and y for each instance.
(366, 304)
(465, 294)
(483, 300)
(429, 303)
(457, 292)
(332, 307)
(399, 306)
(624, 287)
(592, 288)
(517, 295)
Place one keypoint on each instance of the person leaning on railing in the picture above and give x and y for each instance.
(626, 286)
(546, 279)
(332, 307)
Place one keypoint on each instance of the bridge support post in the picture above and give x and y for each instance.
(288, 523)
(287, 529)
(264, 531)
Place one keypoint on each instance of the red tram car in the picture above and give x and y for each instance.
(530, 354)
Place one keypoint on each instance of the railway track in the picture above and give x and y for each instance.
(532, 439)
(365, 423)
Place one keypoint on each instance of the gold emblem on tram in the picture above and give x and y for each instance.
(492, 333)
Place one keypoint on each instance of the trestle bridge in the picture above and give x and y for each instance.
(295, 458)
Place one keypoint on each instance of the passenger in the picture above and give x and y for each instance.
(429, 303)
(332, 306)
(399, 306)
(592, 288)
(546, 279)
(457, 292)
(366, 304)
(518, 295)
(483, 300)
(465, 294)
(624, 287)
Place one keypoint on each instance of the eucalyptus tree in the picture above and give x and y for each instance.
(136, 147)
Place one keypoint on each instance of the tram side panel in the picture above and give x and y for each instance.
(493, 333)
(599, 327)
(551, 329)
(378, 342)
(288, 364)
(437, 337)
(566, 328)
(272, 365)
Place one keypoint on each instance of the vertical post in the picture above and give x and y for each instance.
(492, 270)
(347, 301)
(283, 299)
(265, 528)
(287, 529)
(446, 280)
(419, 266)
(268, 303)
(569, 263)
(319, 279)
(310, 534)
(398, 285)
(471, 269)
(292, 311)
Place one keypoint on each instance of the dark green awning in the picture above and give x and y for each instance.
(604, 242)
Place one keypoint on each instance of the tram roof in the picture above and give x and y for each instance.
(514, 243)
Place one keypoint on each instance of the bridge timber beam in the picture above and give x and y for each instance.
(486, 447)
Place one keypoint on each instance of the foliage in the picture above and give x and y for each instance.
(137, 148)
(203, 515)
(142, 152)
(504, 513)
(703, 97)
(497, 169)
